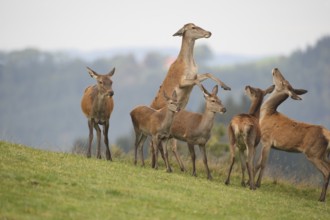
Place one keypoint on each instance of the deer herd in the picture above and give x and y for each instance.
(166, 119)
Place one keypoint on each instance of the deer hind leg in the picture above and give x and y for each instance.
(193, 158)
(232, 153)
(203, 150)
(141, 144)
(242, 158)
(106, 140)
(98, 134)
(249, 143)
(90, 127)
(324, 167)
(138, 136)
(173, 143)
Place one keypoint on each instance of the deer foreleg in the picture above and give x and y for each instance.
(203, 150)
(106, 141)
(98, 134)
(167, 163)
(90, 126)
(202, 77)
(262, 163)
(193, 158)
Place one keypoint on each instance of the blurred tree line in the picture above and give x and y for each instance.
(40, 92)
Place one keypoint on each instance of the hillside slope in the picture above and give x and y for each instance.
(46, 185)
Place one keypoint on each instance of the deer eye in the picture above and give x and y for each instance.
(101, 82)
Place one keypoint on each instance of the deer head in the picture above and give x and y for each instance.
(172, 102)
(192, 31)
(213, 103)
(256, 93)
(282, 85)
(104, 82)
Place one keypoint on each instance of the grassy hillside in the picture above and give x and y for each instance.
(46, 185)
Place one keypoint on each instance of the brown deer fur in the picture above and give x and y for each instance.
(195, 128)
(156, 123)
(97, 105)
(280, 132)
(244, 133)
(183, 73)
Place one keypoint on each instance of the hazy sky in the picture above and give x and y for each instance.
(256, 27)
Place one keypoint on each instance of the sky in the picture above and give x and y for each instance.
(255, 27)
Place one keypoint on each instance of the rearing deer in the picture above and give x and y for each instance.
(282, 133)
(156, 123)
(183, 73)
(97, 105)
(244, 133)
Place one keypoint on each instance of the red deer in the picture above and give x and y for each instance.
(183, 73)
(156, 123)
(244, 133)
(282, 133)
(97, 105)
(195, 128)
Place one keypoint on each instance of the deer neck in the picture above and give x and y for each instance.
(168, 116)
(270, 105)
(255, 107)
(187, 51)
(207, 119)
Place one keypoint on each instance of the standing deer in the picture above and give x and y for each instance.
(195, 128)
(282, 133)
(244, 133)
(97, 105)
(157, 124)
(183, 73)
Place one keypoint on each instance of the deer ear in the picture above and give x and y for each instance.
(215, 90)
(112, 72)
(294, 96)
(92, 73)
(270, 89)
(300, 91)
(206, 93)
(179, 32)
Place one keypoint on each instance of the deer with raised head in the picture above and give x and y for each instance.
(97, 105)
(195, 128)
(282, 133)
(244, 133)
(183, 72)
(155, 123)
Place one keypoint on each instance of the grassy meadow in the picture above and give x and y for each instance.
(36, 184)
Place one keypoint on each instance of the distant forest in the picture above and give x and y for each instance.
(40, 91)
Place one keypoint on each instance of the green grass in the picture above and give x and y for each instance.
(37, 184)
